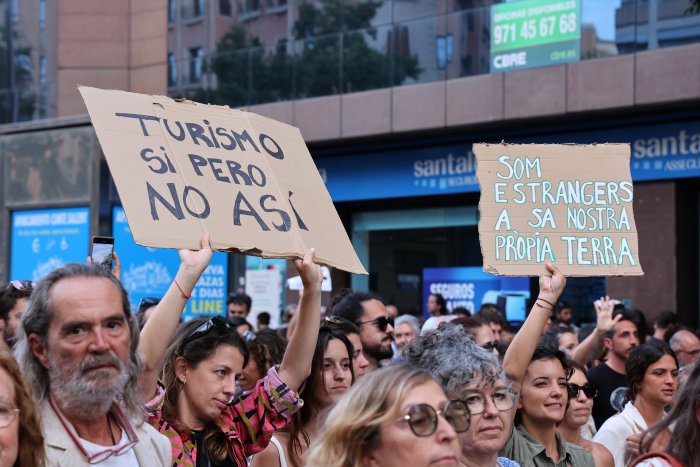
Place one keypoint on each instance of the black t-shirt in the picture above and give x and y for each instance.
(202, 459)
(611, 387)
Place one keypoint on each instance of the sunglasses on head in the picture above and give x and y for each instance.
(423, 418)
(382, 322)
(588, 389)
(335, 320)
(147, 302)
(204, 328)
(21, 285)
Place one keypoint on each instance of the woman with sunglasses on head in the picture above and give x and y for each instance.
(473, 375)
(651, 371)
(359, 361)
(542, 375)
(195, 407)
(393, 417)
(331, 377)
(581, 394)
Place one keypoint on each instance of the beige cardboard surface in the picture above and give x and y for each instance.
(184, 168)
(562, 203)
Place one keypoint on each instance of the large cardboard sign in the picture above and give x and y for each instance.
(183, 168)
(561, 203)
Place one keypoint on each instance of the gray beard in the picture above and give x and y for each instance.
(87, 396)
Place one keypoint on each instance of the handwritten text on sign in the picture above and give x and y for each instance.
(565, 204)
(184, 168)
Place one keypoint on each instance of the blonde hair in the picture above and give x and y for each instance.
(351, 428)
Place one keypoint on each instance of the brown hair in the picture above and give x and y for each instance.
(31, 440)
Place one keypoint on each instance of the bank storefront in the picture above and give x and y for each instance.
(412, 207)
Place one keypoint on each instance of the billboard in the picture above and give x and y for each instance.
(534, 33)
(148, 272)
(469, 287)
(43, 240)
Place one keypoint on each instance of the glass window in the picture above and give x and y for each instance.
(225, 8)
(196, 59)
(172, 69)
(172, 10)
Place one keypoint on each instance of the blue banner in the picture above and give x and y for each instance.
(659, 152)
(43, 240)
(469, 287)
(148, 272)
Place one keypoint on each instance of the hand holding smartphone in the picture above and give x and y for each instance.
(102, 252)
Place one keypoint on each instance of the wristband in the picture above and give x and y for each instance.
(183, 294)
(544, 307)
(548, 303)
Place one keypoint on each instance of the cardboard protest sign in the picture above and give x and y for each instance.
(561, 203)
(183, 168)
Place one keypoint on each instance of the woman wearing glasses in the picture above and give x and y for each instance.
(21, 439)
(581, 394)
(474, 375)
(331, 377)
(195, 407)
(397, 416)
(542, 375)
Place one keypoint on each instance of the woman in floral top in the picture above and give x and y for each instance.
(195, 405)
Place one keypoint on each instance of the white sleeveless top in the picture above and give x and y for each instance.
(280, 451)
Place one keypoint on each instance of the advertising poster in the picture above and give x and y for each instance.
(43, 240)
(264, 286)
(534, 33)
(148, 272)
(469, 287)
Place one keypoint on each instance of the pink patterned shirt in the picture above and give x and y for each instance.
(249, 423)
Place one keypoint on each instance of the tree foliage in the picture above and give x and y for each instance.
(334, 55)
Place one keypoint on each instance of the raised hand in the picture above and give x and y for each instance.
(197, 261)
(604, 312)
(310, 273)
(552, 284)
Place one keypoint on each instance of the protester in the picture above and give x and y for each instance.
(194, 407)
(331, 376)
(406, 329)
(14, 299)
(359, 362)
(239, 305)
(368, 313)
(394, 417)
(436, 305)
(578, 414)
(609, 376)
(242, 326)
(665, 325)
(480, 332)
(77, 346)
(266, 350)
(561, 338)
(651, 371)
(147, 306)
(686, 345)
(495, 320)
(392, 311)
(263, 321)
(21, 440)
(474, 375)
(564, 316)
(684, 417)
(590, 344)
(542, 374)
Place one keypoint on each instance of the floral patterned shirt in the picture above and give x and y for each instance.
(248, 423)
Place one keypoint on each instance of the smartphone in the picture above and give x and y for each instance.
(102, 251)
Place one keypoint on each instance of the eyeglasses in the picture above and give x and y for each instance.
(21, 285)
(423, 418)
(204, 328)
(7, 414)
(503, 399)
(489, 346)
(692, 353)
(107, 453)
(588, 389)
(382, 322)
(147, 302)
(335, 320)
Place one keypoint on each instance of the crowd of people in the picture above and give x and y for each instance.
(83, 381)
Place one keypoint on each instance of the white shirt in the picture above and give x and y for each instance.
(125, 459)
(615, 431)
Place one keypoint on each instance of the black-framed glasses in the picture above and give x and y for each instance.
(589, 389)
(204, 328)
(503, 399)
(489, 346)
(8, 413)
(382, 322)
(423, 418)
(21, 285)
(147, 302)
(107, 453)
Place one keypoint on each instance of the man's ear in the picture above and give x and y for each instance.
(38, 349)
(607, 342)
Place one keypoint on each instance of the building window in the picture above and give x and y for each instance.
(42, 70)
(172, 70)
(42, 14)
(198, 7)
(225, 8)
(14, 11)
(252, 5)
(172, 10)
(196, 62)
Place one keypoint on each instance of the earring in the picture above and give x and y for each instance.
(182, 384)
